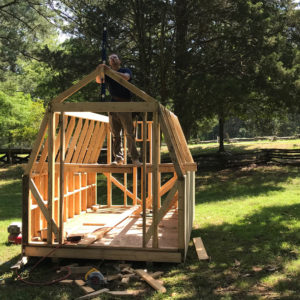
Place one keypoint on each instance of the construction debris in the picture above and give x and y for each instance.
(23, 261)
(111, 283)
(151, 281)
(200, 249)
(126, 293)
(86, 289)
(93, 294)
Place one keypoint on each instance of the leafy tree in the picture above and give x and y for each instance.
(204, 59)
(23, 25)
(19, 119)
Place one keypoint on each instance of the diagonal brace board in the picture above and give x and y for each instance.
(163, 210)
(38, 197)
(90, 238)
(122, 187)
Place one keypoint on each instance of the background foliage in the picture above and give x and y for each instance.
(214, 63)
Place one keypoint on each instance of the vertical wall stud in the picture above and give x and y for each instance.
(51, 175)
(62, 179)
(144, 176)
(155, 177)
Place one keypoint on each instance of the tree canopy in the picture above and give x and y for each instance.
(206, 60)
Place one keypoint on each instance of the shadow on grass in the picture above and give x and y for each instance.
(10, 200)
(10, 288)
(243, 182)
(248, 260)
(5, 267)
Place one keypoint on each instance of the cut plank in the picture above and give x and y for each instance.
(90, 238)
(93, 294)
(113, 277)
(126, 293)
(66, 281)
(201, 252)
(86, 289)
(151, 281)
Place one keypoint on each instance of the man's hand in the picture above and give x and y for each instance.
(100, 78)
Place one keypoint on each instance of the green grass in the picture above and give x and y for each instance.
(10, 208)
(245, 146)
(248, 219)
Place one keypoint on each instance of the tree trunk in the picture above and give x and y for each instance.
(181, 107)
(221, 135)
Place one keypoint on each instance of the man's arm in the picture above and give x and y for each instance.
(125, 76)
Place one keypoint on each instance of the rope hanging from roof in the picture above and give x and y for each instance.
(104, 59)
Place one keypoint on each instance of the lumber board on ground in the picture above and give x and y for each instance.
(151, 281)
(93, 294)
(126, 293)
(200, 249)
(85, 288)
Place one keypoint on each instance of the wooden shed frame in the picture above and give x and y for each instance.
(60, 179)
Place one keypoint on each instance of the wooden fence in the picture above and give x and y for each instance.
(219, 161)
(14, 156)
(210, 161)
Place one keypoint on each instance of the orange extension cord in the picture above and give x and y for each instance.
(47, 282)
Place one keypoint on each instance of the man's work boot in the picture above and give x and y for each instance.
(136, 162)
(118, 161)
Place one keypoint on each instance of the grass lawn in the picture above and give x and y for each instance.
(249, 221)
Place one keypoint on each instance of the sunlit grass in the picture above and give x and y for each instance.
(248, 219)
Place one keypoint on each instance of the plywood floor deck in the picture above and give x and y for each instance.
(128, 233)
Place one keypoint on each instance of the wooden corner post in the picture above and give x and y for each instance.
(25, 209)
(51, 175)
(62, 176)
(144, 177)
(155, 175)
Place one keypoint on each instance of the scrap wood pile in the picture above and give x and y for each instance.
(115, 281)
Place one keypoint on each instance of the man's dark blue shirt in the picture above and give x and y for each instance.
(117, 90)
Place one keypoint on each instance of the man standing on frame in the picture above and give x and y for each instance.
(121, 120)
